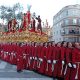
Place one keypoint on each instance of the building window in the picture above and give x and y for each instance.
(60, 23)
(74, 21)
(60, 31)
(66, 21)
(57, 32)
(66, 13)
(54, 32)
(79, 20)
(60, 39)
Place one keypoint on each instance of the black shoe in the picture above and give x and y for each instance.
(19, 71)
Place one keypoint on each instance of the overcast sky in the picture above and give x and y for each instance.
(45, 8)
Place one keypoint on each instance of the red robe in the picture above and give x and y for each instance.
(31, 48)
(35, 58)
(62, 68)
(20, 58)
(39, 49)
(13, 56)
(0, 49)
(43, 61)
(48, 64)
(75, 74)
(57, 66)
(2, 52)
(25, 56)
(68, 70)
(8, 53)
(28, 51)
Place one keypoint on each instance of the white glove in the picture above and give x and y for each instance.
(54, 61)
(49, 61)
(74, 65)
(30, 57)
(35, 58)
(17, 59)
(11, 52)
(69, 64)
(63, 62)
(41, 59)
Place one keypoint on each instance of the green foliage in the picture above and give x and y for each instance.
(7, 13)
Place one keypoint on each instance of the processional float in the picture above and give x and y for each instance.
(23, 34)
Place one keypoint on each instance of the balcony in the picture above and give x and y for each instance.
(71, 33)
(70, 24)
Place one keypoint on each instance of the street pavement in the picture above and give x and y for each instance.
(8, 72)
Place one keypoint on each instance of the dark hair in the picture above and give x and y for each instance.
(62, 43)
(68, 44)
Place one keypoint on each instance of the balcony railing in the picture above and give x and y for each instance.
(74, 33)
(70, 24)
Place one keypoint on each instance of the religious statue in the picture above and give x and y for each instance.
(39, 27)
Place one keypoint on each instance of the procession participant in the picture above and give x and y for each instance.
(19, 51)
(43, 58)
(25, 56)
(68, 68)
(48, 64)
(2, 52)
(0, 49)
(56, 60)
(53, 52)
(35, 52)
(8, 52)
(62, 60)
(39, 49)
(31, 56)
(75, 73)
(28, 52)
(13, 57)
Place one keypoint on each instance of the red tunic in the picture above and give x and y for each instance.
(39, 50)
(43, 60)
(25, 56)
(48, 70)
(68, 69)
(13, 56)
(63, 54)
(2, 52)
(75, 74)
(57, 66)
(19, 58)
(35, 52)
(31, 49)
